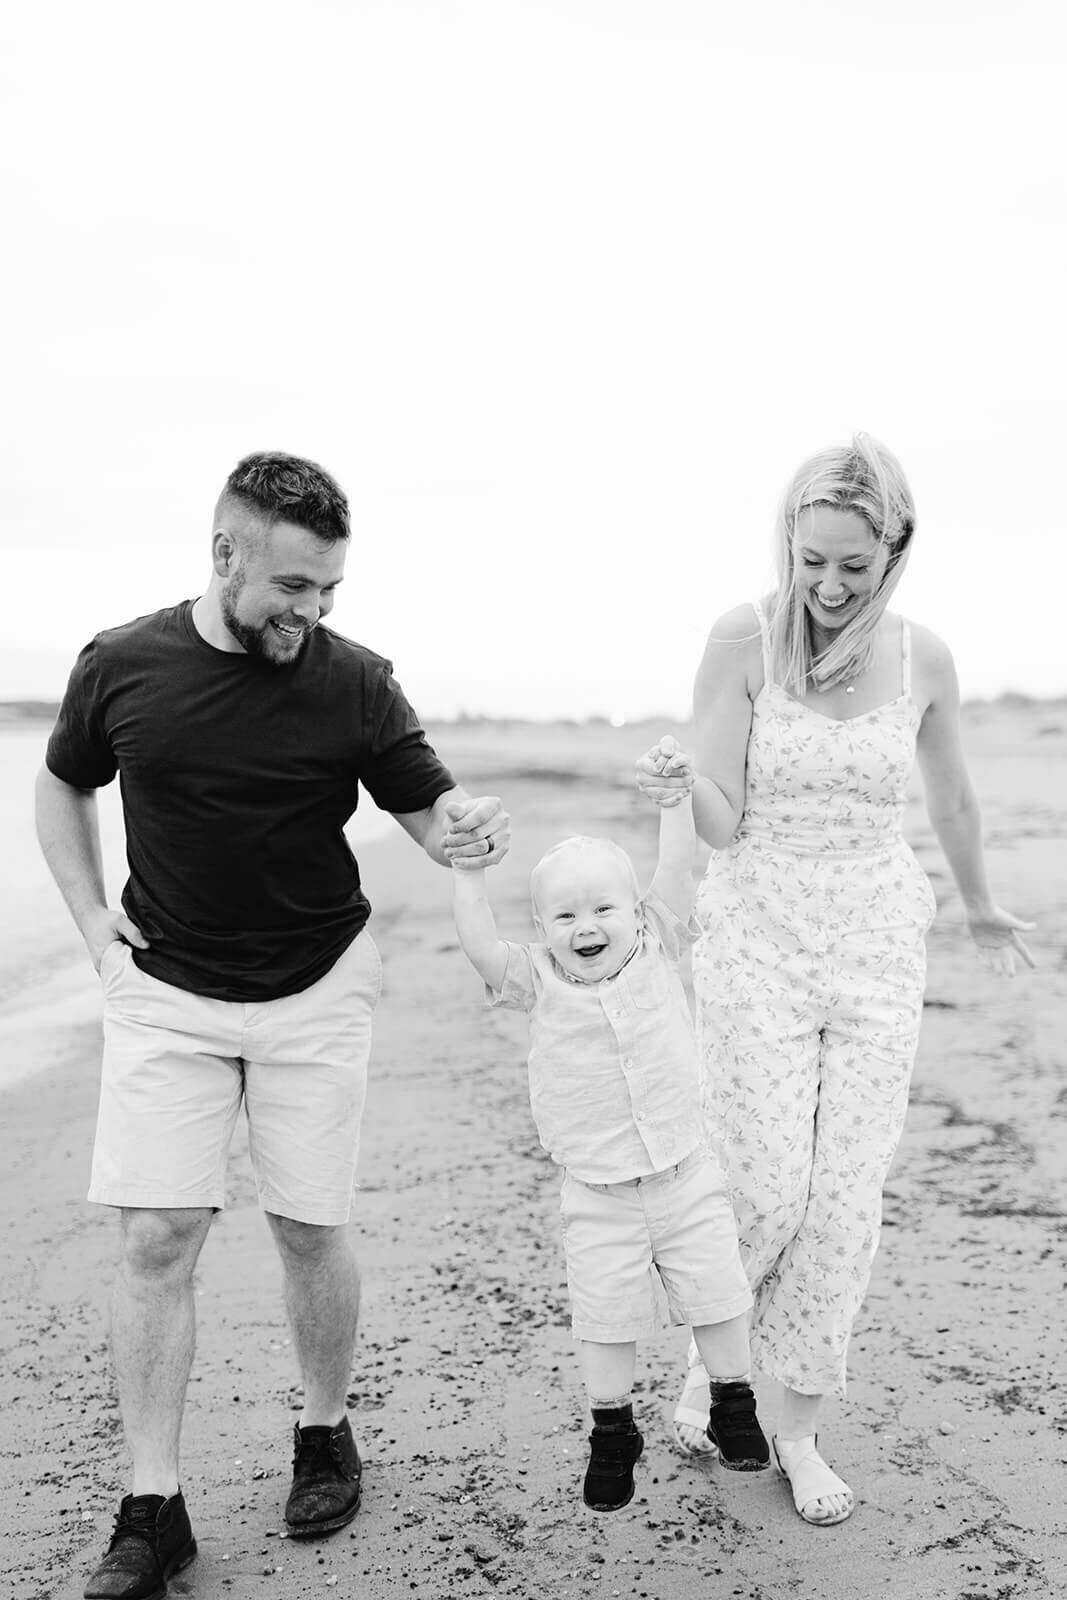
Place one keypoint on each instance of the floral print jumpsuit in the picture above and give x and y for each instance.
(809, 977)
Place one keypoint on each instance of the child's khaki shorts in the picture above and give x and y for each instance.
(618, 1237)
(177, 1068)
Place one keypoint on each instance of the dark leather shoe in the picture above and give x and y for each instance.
(327, 1474)
(614, 1445)
(152, 1540)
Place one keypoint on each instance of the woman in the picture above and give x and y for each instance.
(809, 973)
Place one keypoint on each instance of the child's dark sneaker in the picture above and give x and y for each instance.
(734, 1429)
(152, 1541)
(615, 1445)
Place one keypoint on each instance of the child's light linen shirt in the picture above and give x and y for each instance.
(614, 1068)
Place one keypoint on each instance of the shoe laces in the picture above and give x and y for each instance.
(135, 1527)
(317, 1447)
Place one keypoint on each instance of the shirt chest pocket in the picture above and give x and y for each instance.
(649, 986)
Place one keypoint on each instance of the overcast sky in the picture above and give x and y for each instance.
(561, 293)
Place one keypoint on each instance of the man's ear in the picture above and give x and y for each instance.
(224, 555)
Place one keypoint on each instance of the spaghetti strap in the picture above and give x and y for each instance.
(765, 641)
(905, 657)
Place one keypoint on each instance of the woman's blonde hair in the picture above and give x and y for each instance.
(866, 478)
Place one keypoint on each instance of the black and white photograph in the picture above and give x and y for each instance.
(533, 983)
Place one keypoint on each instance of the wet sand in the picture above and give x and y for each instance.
(466, 1397)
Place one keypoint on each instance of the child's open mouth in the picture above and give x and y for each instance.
(589, 952)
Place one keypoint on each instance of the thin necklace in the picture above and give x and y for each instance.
(850, 686)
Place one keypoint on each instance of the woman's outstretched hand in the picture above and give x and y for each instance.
(996, 933)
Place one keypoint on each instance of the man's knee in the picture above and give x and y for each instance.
(162, 1243)
(307, 1241)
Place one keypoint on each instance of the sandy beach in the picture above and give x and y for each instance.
(466, 1397)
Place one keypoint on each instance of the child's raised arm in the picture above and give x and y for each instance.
(674, 881)
(476, 925)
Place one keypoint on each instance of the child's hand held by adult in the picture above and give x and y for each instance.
(665, 773)
(479, 834)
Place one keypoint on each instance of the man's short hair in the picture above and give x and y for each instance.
(276, 487)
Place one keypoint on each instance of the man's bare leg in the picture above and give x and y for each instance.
(322, 1298)
(153, 1333)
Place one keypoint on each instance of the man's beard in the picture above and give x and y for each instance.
(263, 643)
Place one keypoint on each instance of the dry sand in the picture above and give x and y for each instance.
(466, 1397)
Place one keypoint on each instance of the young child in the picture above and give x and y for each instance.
(615, 1094)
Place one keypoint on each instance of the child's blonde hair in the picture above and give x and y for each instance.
(581, 843)
(866, 478)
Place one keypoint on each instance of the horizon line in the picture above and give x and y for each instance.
(32, 709)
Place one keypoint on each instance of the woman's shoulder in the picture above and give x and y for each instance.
(738, 626)
(733, 656)
(933, 672)
(929, 652)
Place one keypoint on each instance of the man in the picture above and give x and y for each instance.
(238, 968)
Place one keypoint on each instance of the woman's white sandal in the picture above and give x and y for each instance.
(810, 1479)
(688, 1416)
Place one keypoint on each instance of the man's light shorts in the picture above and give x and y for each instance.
(617, 1237)
(177, 1067)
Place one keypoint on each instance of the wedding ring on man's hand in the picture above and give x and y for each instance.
(488, 846)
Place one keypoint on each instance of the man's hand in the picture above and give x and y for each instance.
(479, 834)
(106, 927)
(665, 773)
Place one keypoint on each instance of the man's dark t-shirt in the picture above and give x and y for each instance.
(237, 779)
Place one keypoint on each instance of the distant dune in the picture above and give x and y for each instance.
(28, 710)
(16, 711)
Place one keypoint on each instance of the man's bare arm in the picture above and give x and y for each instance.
(68, 830)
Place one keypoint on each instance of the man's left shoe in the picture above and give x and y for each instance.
(327, 1481)
(734, 1428)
